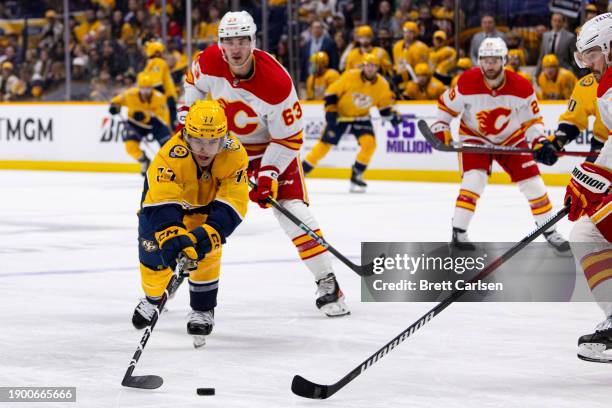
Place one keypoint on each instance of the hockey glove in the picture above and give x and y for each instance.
(587, 189)
(174, 240)
(139, 116)
(331, 118)
(545, 151)
(181, 114)
(208, 240)
(267, 186)
(441, 131)
(114, 109)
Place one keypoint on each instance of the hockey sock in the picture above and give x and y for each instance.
(367, 145)
(315, 257)
(534, 190)
(472, 185)
(318, 152)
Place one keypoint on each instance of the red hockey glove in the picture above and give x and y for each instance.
(441, 130)
(181, 114)
(267, 186)
(587, 188)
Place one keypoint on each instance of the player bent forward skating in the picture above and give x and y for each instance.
(195, 195)
(263, 111)
(497, 107)
(589, 193)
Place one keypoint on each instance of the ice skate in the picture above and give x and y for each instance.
(330, 298)
(143, 313)
(461, 241)
(357, 183)
(200, 325)
(593, 347)
(559, 243)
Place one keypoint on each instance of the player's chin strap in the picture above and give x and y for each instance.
(361, 270)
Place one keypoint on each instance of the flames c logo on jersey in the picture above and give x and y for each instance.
(488, 121)
(241, 118)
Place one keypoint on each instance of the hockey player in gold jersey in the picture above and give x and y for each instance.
(555, 82)
(347, 105)
(195, 195)
(162, 77)
(147, 114)
(426, 87)
(581, 106)
(364, 37)
(321, 76)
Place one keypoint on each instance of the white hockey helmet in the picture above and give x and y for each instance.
(493, 47)
(237, 24)
(596, 32)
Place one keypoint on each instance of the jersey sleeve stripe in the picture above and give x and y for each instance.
(293, 142)
(442, 105)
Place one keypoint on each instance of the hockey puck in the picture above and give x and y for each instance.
(206, 391)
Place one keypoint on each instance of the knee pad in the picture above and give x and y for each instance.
(474, 181)
(153, 281)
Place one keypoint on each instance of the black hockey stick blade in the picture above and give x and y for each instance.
(431, 139)
(147, 382)
(304, 388)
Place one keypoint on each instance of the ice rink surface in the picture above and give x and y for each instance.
(69, 282)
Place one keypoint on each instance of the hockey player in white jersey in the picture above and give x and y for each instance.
(589, 193)
(497, 107)
(263, 111)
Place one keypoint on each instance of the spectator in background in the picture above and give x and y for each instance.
(560, 42)
(406, 11)
(463, 64)
(385, 40)
(487, 24)
(385, 19)
(207, 33)
(282, 53)
(11, 87)
(515, 42)
(365, 45)
(590, 11)
(52, 32)
(426, 24)
(325, 9)
(338, 25)
(425, 87)
(442, 57)
(10, 55)
(319, 41)
(516, 59)
(87, 28)
(444, 17)
(409, 51)
(320, 76)
(555, 82)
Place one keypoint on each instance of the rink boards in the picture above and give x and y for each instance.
(85, 137)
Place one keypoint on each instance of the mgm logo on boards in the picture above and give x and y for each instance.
(26, 129)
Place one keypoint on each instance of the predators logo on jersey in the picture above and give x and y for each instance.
(488, 120)
(362, 101)
(178, 152)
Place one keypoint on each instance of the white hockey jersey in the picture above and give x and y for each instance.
(263, 110)
(503, 116)
(604, 103)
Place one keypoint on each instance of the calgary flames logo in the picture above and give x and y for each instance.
(241, 118)
(488, 121)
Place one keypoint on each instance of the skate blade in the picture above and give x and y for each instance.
(594, 352)
(357, 189)
(336, 309)
(199, 341)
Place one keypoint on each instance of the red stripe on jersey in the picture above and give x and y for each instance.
(605, 83)
(270, 82)
(472, 82)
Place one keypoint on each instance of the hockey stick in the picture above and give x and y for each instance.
(151, 382)
(485, 149)
(361, 270)
(307, 389)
